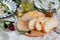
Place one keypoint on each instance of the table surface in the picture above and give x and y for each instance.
(14, 36)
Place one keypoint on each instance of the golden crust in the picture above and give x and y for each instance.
(31, 15)
(21, 25)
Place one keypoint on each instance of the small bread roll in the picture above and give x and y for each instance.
(35, 24)
(40, 23)
(31, 15)
(21, 25)
(32, 24)
(50, 24)
(38, 26)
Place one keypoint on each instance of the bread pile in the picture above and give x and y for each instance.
(37, 21)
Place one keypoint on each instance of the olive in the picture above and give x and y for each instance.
(29, 32)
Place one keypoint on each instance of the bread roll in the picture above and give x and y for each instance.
(21, 25)
(50, 24)
(38, 26)
(31, 15)
(32, 24)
